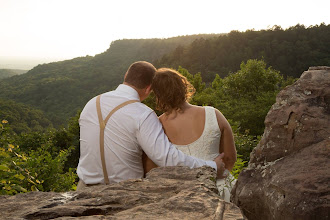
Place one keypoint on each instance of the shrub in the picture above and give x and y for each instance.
(34, 170)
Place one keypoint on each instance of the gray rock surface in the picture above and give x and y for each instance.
(288, 174)
(166, 193)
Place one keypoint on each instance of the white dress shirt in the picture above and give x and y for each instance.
(131, 130)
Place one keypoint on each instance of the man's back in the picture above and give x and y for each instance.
(122, 150)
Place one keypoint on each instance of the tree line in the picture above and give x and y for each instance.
(291, 51)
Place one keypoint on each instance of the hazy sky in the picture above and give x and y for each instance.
(71, 28)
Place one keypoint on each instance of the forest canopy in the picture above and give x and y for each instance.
(290, 51)
(23, 118)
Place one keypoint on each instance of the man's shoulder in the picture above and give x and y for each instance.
(142, 109)
(90, 103)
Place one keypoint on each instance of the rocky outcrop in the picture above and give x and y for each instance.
(166, 193)
(288, 174)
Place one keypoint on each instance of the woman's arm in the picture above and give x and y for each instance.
(147, 164)
(227, 144)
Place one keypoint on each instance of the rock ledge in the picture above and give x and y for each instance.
(166, 193)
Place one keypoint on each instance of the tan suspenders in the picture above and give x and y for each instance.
(102, 127)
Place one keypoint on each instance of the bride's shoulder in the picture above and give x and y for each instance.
(161, 117)
(197, 107)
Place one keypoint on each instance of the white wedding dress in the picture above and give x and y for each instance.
(206, 147)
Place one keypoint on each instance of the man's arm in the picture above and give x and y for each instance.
(159, 149)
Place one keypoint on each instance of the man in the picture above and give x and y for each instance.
(111, 151)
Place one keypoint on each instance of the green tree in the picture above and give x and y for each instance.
(253, 79)
(249, 93)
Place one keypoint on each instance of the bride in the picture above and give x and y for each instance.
(202, 132)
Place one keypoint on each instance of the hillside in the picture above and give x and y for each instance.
(23, 118)
(5, 73)
(61, 88)
(290, 51)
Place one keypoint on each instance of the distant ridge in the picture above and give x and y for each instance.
(24, 63)
(61, 88)
(5, 73)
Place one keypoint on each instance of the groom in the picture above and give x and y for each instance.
(111, 145)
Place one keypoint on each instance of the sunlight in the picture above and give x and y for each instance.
(40, 28)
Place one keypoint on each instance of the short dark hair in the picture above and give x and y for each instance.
(140, 74)
(171, 90)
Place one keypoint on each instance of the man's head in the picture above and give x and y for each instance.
(139, 76)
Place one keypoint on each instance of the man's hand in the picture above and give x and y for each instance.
(220, 165)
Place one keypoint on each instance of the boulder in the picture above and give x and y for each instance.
(288, 174)
(166, 193)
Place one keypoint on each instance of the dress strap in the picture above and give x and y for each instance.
(211, 119)
(102, 128)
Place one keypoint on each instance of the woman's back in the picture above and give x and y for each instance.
(195, 131)
(205, 138)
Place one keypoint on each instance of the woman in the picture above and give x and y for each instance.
(201, 132)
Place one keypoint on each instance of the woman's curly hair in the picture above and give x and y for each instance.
(171, 90)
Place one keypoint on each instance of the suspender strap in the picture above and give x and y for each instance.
(102, 128)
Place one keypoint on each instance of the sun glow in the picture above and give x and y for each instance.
(67, 29)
